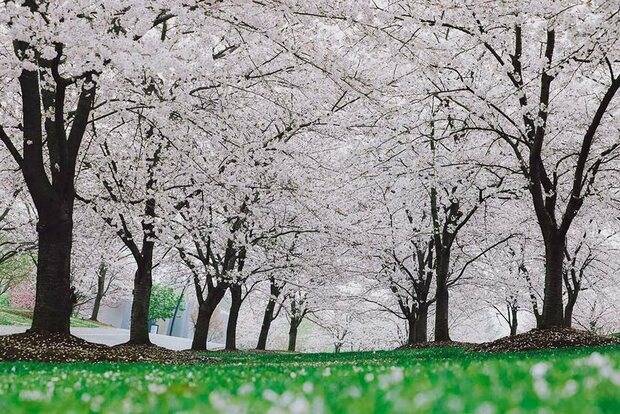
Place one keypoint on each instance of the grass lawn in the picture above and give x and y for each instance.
(22, 317)
(429, 380)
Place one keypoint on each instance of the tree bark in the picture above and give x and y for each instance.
(514, 322)
(292, 335)
(421, 325)
(201, 333)
(411, 325)
(53, 303)
(96, 306)
(552, 315)
(101, 274)
(442, 330)
(568, 311)
(233, 316)
(266, 325)
(205, 312)
(143, 282)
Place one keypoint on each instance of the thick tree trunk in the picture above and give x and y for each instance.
(421, 326)
(292, 336)
(233, 316)
(205, 312)
(411, 331)
(552, 315)
(201, 333)
(139, 329)
(53, 303)
(337, 347)
(442, 332)
(266, 325)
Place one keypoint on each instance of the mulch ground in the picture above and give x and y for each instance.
(59, 348)
(435, 344)
(547, 339)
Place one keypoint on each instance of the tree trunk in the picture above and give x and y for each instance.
(201, 333)
(233, 316)
(568, 312)
(205, 312)
(292, 335)
(176, 310)
(96, 306)
(139, 329)
(442, 332)
(101, 273)
(264, 329)
(552, 315)
(53, 303)
(441, 313)
(421, 326)
(514, 322)
(411, 325)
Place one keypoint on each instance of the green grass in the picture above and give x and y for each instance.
(23, 317)
(429, 380)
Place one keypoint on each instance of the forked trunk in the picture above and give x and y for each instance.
(205, 312)
(53, 303)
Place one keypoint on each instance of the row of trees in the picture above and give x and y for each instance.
(387, 153)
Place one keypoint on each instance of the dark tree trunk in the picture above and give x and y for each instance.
(96, 306)
(442, 332)
(514, 321)
(233, 316)
(139, 329)
(53, 303)
(201, 333)
(421, 326)
(205, 312)
(552, 315)
(411, 331)
(266, 325)
(568, 311)
(292, 335)
(176, 310)
(101, 275)
(53, 199)
(337, 347)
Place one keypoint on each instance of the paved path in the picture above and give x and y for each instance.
(115, 336)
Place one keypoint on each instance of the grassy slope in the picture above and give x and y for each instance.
(430, 380)
(22, 317)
